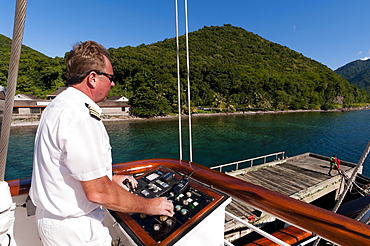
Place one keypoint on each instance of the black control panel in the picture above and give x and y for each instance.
(192, 202)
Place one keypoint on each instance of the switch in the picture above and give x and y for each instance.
(168, 177)
(145, 193)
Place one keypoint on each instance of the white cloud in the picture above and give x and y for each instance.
(359, 53)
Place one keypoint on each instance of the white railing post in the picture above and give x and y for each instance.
(258, 230)
(282, 153)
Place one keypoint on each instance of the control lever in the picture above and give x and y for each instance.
(127, 183)
(181, 186)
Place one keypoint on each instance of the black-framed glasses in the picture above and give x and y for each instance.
(109, 76)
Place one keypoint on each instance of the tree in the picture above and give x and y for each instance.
(147, 103)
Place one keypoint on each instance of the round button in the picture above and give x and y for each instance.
(169, 222)
(188, 194)
(156, 227)
(143, 216)
(177, 207)
(163, 218)
(184, 211)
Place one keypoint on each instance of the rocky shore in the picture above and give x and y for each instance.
(35, 122)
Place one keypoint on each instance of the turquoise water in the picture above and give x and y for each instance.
(221, 139)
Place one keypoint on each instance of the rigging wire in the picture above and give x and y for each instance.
(349, 183)
(178, 77)
(188, 79)
(354, 173)
(363, 213)
(20, 16)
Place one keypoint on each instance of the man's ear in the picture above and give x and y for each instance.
(91, 80)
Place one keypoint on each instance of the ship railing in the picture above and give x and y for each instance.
(330, 226)
(265, 234)
(256, 229)
(235, 166)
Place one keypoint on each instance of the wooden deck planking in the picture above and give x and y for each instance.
(290, 177)
(276, 178)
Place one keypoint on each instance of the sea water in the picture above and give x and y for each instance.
(220, 139)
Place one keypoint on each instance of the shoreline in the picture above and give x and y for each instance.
(35, 122)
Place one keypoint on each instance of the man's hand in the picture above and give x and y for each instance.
(107, 193)
(160, 206)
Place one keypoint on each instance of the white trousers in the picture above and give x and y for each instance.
(84, 230)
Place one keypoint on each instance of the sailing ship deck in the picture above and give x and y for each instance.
(304, 177)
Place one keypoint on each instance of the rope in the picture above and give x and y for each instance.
(354, 173)
(363, 212)
(355, 187)
(20, 15)
(349, 183)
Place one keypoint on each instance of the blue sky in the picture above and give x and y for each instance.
(333, 32)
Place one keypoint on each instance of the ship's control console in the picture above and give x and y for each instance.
(199, 212)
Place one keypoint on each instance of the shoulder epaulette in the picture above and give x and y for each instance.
(93, 112)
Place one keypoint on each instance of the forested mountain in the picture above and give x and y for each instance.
(229, 68)
(357, 73)
(38, 74)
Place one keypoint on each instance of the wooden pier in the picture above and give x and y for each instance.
(304, 177)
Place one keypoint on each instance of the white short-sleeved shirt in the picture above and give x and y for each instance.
(70, 146)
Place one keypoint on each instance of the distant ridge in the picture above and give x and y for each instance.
(357, 73)
(6, 44)
(230, 69)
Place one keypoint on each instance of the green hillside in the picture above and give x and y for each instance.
(229, 68)
(357, 73)
(38, 74)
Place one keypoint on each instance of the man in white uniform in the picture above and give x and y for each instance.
(72, 172)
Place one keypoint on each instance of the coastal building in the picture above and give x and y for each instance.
(113, 106)
(27, 106)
